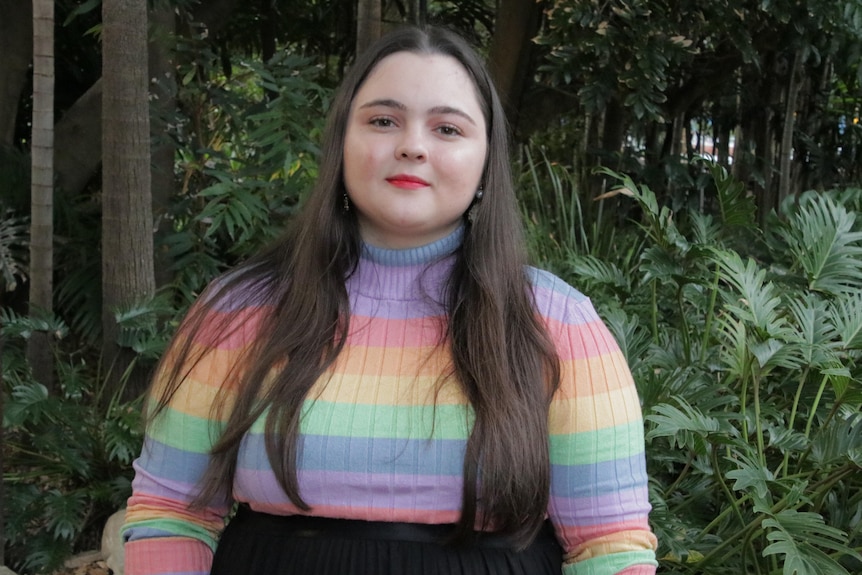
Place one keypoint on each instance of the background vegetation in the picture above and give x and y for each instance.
(693, 167)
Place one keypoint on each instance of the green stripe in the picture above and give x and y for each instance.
(183, 431)
(607, 444)
(611, 563)
(177, 528)
(383, 421)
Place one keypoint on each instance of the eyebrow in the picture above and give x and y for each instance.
(390, 103)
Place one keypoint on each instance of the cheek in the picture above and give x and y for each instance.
(464, 166)
(355, 161)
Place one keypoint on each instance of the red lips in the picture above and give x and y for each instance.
(407, 182)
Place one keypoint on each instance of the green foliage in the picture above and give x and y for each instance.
(14, 242)
(248, 156)
(745, 346)
(67, 455)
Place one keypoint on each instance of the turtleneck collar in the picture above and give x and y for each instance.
(420, 255)
(413, 274)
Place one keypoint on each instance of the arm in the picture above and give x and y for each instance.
(163, 534)
(599, 501)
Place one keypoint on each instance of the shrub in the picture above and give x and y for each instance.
(745, 344)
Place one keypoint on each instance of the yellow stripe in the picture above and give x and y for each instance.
(603, 410)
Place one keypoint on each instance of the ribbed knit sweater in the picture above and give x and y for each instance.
(373, 445)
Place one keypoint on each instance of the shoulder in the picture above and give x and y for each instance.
(231, 309)
(558, 301)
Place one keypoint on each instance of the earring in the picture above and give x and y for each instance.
(474, 209)
(345, 206)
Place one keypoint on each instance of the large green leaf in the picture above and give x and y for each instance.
(821, 237)
(753, 299)
(801, 537)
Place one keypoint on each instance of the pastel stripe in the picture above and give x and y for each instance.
(185, 432)
(360, 454)
(425, 332)
(422, 422)
(343, 490)
(613, 507)
(612, 563)
(175, 556)
(596, 479)
(173, 477)
(600, 445)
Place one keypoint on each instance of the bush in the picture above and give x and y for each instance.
(745, 344)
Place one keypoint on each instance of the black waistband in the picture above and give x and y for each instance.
(315, 527)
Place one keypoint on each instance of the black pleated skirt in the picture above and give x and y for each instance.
(260, 544)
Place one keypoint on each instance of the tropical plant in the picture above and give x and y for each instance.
(68, 454)
(745, 344)
(14, 243)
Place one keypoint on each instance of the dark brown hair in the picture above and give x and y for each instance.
(502, 356)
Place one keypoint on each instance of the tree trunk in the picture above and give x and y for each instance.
(78, 133)
(78, 142)
(369, 26)
(516, 24)
(785, 171)
(16, 46)
(127, 222)
(39, 354)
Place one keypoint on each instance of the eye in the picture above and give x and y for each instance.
(382, 122)
(449, 130)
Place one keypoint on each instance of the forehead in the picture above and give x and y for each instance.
(421, 80)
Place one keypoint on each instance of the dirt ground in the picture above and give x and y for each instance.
(84, 568)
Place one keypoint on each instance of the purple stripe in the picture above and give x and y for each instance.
(154, 485)
(624, 505)
(344, 489)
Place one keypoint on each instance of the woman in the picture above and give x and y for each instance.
(390, 389)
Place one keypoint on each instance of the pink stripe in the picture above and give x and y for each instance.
(572, 535)
(582, 341)
(167, 555)
(382, 332)
(230, 330)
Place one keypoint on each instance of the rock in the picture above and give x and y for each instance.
(6, 571)
(83, 559)
(112, 542)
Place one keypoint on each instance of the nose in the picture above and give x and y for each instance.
(411, 146)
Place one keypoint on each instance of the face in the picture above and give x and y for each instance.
(414, 149)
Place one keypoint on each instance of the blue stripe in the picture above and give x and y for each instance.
(597, 479)
(366, 455)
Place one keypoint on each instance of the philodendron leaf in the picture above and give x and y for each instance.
(801, 538)
(840, 439)
(750, 476)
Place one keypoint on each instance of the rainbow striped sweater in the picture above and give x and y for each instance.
(373, 446)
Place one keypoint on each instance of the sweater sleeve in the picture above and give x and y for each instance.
(599, 501)
(163, 534)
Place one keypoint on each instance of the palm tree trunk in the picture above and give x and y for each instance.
(127, 220)
(39, 346)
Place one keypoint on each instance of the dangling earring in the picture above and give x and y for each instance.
(345, 206)
(471, 213)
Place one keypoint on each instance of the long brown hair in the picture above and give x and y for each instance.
(502, 356)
